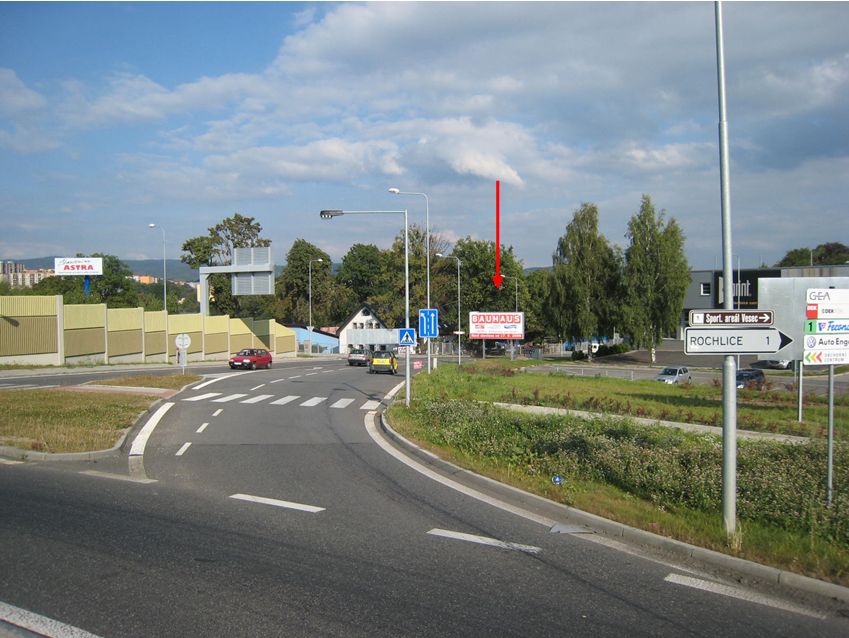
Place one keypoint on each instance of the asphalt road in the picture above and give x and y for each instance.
(266, 507)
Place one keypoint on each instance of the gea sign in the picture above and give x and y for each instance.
(496, 325)
(78, 265)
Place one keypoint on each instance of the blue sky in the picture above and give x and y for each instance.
(116, 115)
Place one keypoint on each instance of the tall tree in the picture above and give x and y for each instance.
(828, 254)
(292, 287)
(585, 279)
(362, 271)
(656, 276)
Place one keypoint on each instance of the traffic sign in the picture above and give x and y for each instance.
(826, 326)
(428, 322)
(826, 339)
(732, 318)
(182, 341)
(734, 341)
(406, 337)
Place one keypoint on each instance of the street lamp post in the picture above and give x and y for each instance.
(395, 191)
(309, 327)
(516, 279)
(164, 276)
(330, 214)
(459, 322)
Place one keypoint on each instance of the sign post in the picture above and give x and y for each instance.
(182, 341)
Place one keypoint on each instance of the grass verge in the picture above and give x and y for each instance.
(170, 381)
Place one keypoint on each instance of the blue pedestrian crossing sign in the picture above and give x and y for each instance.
(429, 322)
(406, 336)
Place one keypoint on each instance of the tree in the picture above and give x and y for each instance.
(115, 287)
(216, 249)
(538, 285)
(586, 279)
(656, 276)
(362, 271)
(292, 288)
(831, 253)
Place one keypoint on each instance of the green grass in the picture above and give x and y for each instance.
(170, 381)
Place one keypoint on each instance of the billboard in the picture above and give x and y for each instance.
(497, 325)
(78, 265)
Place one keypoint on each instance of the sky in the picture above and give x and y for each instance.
(117, 115)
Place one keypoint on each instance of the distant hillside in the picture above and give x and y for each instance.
(177, 270)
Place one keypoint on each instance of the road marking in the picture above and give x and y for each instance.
(183, 449)
(229, 397)
(225, 376)
(140, 441)
(201, 428)
(10, 462)
(257, 387)
(483, 540)
(309, 374)
(218, 411)
(311, 403)
(286, 400)
(257, 398)
(342, 403)
(297, 376)
(41, 625)
(201, 397)
(118, 477)
(742, 594)
(278, 380)
(370, 405)
(272, 501)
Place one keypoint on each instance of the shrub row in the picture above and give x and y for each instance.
(778, 484)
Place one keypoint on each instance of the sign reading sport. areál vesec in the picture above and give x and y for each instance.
(496, 325)
(78, 265)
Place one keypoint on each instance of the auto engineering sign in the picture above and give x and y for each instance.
(78, 265)
(497, 325)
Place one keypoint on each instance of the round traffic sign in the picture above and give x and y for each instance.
(182, 341)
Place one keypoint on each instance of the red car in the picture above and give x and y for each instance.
(251, 359)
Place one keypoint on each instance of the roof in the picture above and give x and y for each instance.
(358, 311)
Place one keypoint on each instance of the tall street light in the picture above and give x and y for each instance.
(164, 277)
(330, 214)
(516, 279)
(395, 191)
(309, 327)
(459, 322)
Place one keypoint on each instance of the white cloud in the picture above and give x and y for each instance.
(16, 97)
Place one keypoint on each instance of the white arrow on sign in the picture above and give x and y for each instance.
(734, 340)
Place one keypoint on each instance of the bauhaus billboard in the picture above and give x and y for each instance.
(496, 325)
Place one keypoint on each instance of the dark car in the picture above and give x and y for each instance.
(251, 359)
(359, 357)
(750, 378)
(383, 362)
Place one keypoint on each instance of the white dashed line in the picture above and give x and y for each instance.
(202, 428)
(297, 376)
(257, 398)
(218, 411)
(257, 387)
(309, 374)
(310, 403)
(483, 540)
(286, 400)
(201, 397)
(272, 501)
(342, 403)
(183, 449)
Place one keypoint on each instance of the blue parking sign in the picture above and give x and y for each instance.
(429, 322)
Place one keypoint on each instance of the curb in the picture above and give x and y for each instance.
(771, 575)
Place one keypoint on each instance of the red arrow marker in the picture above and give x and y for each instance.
(497, 278)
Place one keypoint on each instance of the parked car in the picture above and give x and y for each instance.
(778, 364)
(383, 362)
(251, 359)
(675, 375)
(359, 357)
(750, 378)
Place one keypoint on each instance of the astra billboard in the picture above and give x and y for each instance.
(497, 325)
(78, 265)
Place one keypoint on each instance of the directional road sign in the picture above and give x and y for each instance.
(406, 337)
(733, 318)
(734, 340)
(428, 322)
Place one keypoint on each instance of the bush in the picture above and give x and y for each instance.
(578, 355)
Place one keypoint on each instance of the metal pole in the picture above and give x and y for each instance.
(729, 385)
(407, 304)
(801, 383)
(830, 433)
(459, 316)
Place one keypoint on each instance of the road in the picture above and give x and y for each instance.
(266, 504)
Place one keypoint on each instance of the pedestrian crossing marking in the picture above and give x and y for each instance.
(370, 405)
(201, 397)
(310, 403)
(229, 397)
(257, 398)
(342, 403)
(285, 400)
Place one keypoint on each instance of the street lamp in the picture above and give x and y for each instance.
(516, 279)
(395, 191)
(164, 277)
(330, 214)
(459, 322)
(309, 327)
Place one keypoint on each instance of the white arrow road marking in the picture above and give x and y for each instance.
(742, 594)
(257, 398)
(201, 397)
(483, 540)
(370, 405)
(140, 441)
(40, 625)
(286, 400)
(311, 403)
(342, 403)
(273, 501)
(229, 397)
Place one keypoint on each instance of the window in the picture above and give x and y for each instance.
(705, 289)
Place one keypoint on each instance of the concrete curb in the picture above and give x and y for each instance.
(572, 516)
